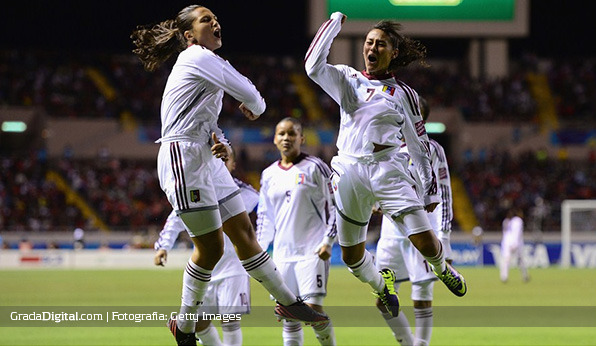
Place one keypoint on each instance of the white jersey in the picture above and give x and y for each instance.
(373, 109)
(192, 98)
(442, 216)
(229, 264)
(513, 233)
(296, 209)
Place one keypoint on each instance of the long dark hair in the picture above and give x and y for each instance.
(156, 44)
(409, 49)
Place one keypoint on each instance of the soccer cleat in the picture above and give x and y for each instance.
(299, 312)
(454, 281)
(182, 339)
(389, 297)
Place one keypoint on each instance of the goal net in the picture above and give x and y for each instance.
(578, 224)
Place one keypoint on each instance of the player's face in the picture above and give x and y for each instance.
(205, 30)
(378, 52)
(288, 139)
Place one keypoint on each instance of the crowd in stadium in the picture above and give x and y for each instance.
(126, 194)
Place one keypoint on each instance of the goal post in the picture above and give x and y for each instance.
(568, 207)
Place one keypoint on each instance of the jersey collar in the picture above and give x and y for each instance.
(377, 77)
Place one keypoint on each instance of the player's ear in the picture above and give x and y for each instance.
(189, 36)
(395, 53)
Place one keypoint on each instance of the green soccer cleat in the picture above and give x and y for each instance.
(389, 297)
(454, 281)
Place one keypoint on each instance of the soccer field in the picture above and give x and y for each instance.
(555, 308)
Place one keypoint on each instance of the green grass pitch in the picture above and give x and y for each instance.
(551, 290)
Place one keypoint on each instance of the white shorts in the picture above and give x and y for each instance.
(230, 295)
(359, 183)
(194, 181)
(307, 278)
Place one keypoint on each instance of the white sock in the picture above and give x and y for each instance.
(366, 272)
(400, 327)
(292, 334)
(424, 326)
(232, 334)
(209, 336)
(438, 260)
(325, 333)
(261, 268)
(194, 285)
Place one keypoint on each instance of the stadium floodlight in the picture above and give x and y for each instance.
(435, 127)
(569, 208)
(14, 126)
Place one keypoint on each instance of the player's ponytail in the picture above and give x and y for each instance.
(156, 44)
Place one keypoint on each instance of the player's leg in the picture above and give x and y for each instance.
(422, 293)
(185, 177)
(522, 263)
(504, 265)
(208, 249)
(424, 239)
(207, 335)
(390, 255)
(422, 278)
(393, 188)
(205, 331)
(312, 276)
(233, 297)
(353, 209)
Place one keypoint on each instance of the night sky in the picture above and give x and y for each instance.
(557, 28)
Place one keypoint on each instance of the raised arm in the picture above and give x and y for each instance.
(219, 72)
(325, 75)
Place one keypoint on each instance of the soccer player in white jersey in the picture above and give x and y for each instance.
(377, 111)
(396, 252)
(512, 244)
(229, 289)
(196, 182)
(296, 213)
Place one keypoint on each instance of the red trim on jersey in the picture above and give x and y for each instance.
(377, 77)
(317, 37)
(295, 162)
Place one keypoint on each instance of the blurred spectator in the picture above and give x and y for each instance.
(78, 238)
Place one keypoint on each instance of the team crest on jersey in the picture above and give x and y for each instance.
(420, 129)
(300, 178)
(195, 196)
(388, 89)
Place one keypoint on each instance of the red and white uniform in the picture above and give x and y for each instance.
(296, 213)
(192, 178)
(231, 295)
(373, 110)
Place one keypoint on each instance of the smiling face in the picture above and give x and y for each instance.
(205, 30)
(378, 52)
(288, 139)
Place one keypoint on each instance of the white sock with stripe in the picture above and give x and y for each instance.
(424, 325)
(232, 334)
(292, 334)
(366, 272)
(262, 268)
(194, 286)
(209, 336)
